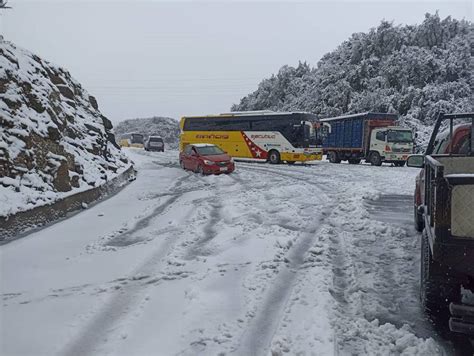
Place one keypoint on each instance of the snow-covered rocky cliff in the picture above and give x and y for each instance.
(54, 141)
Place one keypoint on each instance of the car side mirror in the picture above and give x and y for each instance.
(417, 161)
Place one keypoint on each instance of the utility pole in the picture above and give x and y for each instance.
(3, 6)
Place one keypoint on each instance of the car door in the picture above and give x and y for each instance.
(193, 159)
(185, 157)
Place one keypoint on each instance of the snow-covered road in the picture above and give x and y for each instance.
(268, 260)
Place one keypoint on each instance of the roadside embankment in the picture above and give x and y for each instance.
(25, 222)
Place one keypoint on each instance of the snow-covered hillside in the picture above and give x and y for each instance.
(165, 127)
(413, 70)
(53, 139)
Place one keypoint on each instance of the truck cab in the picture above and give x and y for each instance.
(391, 144)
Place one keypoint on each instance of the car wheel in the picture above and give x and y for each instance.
(200, 170)
(375, 159)
(419, 223)
(439, 285)
(334, 157)
(274, 157)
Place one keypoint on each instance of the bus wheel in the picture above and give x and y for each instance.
(274, 157)
(334, 157)
(290, 162)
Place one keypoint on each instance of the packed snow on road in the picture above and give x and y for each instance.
(319, 259)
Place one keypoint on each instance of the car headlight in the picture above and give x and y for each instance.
(209, 163)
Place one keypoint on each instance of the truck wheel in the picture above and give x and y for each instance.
(375, 159)
(354, 161)
(439, 285)
(334, 157)
(274, 157)
(419, 223)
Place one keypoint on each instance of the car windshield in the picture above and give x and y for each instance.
(399, 136)
(156, 139)
(209, 150)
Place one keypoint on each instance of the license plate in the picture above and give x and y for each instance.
(223, 169)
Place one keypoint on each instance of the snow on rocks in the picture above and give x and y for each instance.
(53, 139)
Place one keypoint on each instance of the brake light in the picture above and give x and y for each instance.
(387, 148)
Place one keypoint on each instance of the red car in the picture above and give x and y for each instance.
(458, 144)
(205, 158)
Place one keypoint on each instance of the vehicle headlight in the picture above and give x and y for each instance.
(209, 163)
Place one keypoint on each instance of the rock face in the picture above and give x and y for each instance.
(165, 127)
(53, 138)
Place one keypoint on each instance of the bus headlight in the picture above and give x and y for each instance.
(207, 162)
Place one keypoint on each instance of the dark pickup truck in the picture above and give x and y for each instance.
(446, 207)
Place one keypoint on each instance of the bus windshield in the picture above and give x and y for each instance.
(399, 136)
(209, 150)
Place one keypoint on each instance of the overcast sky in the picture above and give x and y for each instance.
(157, 58)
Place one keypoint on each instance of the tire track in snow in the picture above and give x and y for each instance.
(95, 332)
(122, 303)
(258, 337)
(130, 237)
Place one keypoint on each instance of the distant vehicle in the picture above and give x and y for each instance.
(206, 158)
(155, 143)
(261, 135)
(131, 140)
(373, 137)
(446, 189)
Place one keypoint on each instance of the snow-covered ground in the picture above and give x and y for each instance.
(268, 260)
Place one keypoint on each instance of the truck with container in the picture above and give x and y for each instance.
(373, 137)
(446, 206)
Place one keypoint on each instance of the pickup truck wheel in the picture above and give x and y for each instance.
(439, 285)
(354, 161)
(334, 157)
(375, 159)
(419, 224)
(274, 157)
